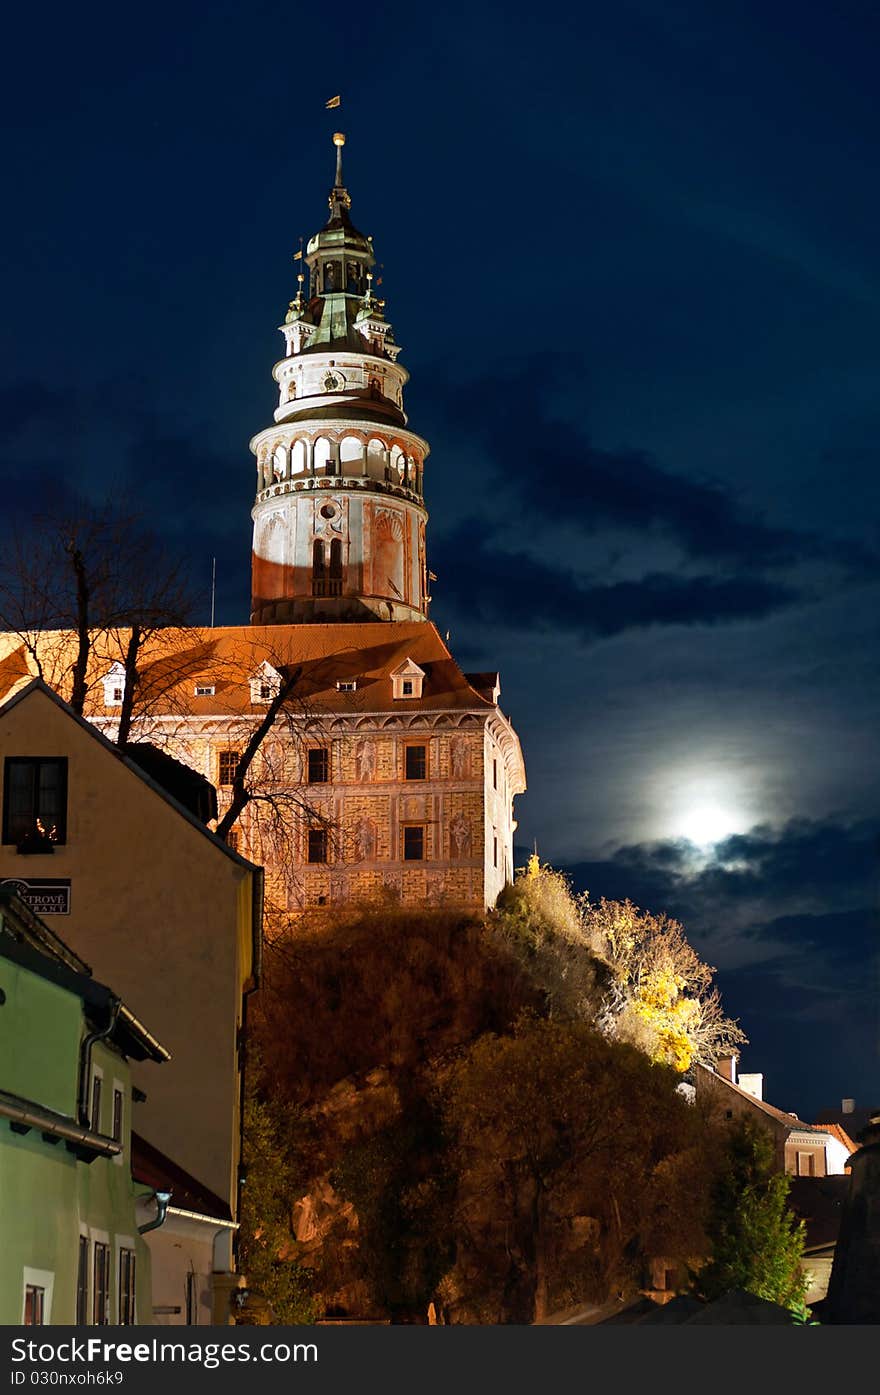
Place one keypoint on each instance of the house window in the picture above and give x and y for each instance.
(95, 1116)
(35, 800)
(317, 848)
(416, 763)
(347, 687)
(101, 1285)
(406, 687)
(34, 1305)
(82, 1282)
(495, 850)
(414, 842)
(494, 774)
(205, 690)
(118, 694)
(232, 839)
(318, 772)
(126, 1287)
(117, 1115)
(228, 766)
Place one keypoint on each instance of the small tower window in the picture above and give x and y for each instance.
(319, 569)
(334, 578)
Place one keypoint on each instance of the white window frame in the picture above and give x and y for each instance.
(120, 1243)
(84, 1235)
(119, 1085)
(407, 672)
(265, 677)
(114, 678)
(97, 1074)
(100, 1237)
(38, 1278)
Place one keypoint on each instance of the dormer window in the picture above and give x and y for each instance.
(265, 683)
(348, 686)
(114, 685)
(205, 690)
(407, 680)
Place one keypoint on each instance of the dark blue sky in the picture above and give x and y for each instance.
(631, 252)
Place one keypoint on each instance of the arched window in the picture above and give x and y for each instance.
(319, 572)
(334, 580)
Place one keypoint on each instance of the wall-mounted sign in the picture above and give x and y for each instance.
(42, 895)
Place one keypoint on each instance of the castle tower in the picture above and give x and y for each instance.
(339, 516)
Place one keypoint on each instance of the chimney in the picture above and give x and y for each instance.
(726, 1067)
(847, 1106)
(753, 1085)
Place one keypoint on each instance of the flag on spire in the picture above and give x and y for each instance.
(333, 102)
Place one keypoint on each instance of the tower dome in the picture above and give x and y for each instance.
(339, 516)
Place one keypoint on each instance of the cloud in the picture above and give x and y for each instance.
(788, 916)
(550, 465)
(495, 586)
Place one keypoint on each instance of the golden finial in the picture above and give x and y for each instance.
(339, 142)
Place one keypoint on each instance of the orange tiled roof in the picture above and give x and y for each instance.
(227, 657)
(840, 1133)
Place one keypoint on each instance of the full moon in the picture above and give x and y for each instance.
(706, 824)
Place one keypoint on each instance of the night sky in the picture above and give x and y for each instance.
(631, 252)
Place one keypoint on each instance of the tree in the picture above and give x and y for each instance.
(92, 585)
(662, 995)
(265, 1239)
(755, 1242)
(630, 972)
(554, 1123)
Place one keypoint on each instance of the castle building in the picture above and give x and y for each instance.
(400, 771)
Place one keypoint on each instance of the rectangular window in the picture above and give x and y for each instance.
(95, 1116)
(416, 763)
(318, 766)
(495, 851)
(494, 774)
(126, 1288)
(806, 1165)
(117, 1115)
(101, 1285)
(406, 687)
(35, 799)
(205, 690)
(228, 766)
(317, 851)
(414, 842)
(34, 1305)
(82, 1282)
(350, 687)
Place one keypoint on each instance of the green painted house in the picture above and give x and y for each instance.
(70, 1249)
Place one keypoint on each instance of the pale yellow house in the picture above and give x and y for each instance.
(173, 916)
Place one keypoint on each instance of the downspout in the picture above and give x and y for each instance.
(162, 1200)
(85, 1062)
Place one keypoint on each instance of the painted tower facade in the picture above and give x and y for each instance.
(339, 517)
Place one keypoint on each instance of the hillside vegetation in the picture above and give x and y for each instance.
(475, 1119)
